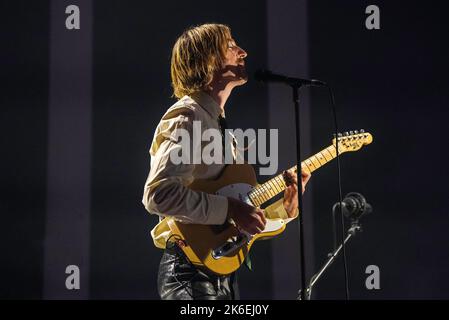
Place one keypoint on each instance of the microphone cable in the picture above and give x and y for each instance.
(340, 197)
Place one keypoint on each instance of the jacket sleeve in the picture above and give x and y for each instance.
(166, 191)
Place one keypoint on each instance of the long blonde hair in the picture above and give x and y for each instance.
(197, 54)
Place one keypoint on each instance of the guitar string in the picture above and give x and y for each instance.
(274, 186)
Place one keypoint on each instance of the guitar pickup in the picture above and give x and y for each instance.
(230, 246)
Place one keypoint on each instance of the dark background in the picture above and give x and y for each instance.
(391, 82)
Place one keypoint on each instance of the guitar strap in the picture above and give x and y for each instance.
(223, 126)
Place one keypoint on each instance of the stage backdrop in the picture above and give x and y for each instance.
(79, 109)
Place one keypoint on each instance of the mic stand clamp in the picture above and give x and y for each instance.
(355, 227)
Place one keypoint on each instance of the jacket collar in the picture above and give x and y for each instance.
(208, 104)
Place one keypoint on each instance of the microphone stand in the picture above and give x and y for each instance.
(295, 84)
(295, 88)
(306, 294)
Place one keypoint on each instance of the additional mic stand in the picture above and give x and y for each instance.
(355, 227)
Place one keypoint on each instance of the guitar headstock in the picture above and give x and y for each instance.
(352, 140)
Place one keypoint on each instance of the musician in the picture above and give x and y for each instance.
(206, 65)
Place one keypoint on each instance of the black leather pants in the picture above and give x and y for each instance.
(178, 279)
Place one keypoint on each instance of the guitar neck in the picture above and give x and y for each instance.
(265, 191)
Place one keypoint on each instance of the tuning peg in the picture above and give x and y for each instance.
(351, 133)
(362, 131)
(346, 133)
(356, 132)
(340, 135)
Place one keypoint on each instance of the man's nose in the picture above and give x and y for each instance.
(242, 53)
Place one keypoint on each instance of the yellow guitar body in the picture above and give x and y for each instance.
(199, 241)
(222, 249)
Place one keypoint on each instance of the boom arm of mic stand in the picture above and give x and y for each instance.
(355, 227)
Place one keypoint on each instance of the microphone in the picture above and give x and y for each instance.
(354, 206)
(263, 75)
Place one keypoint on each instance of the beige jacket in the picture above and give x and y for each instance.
(166, 193)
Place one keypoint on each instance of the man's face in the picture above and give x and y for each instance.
(233, 70)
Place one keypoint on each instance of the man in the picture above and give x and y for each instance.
(206, 65)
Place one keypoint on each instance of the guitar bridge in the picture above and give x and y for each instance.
(230, 246)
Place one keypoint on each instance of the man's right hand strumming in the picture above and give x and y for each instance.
(248, 218)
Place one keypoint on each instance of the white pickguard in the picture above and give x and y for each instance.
(240, 191)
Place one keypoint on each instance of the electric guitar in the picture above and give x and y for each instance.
(222, 249)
